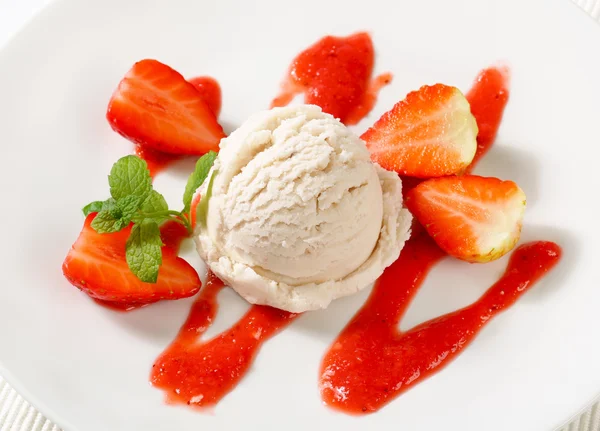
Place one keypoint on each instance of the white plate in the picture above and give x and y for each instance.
(87, 368)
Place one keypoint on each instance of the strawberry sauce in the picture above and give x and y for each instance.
(488, 97)
(372, 362)
(200, 373)
(335, 73)
(158, 161)
(210, 90)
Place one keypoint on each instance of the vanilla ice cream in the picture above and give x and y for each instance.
(298, 214)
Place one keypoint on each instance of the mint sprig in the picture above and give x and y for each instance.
(134, 200)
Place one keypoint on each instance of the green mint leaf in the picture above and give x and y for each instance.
(202, 209)
(127, 207)
(155, 203)
(109, 205)
(92, 207)
(97, 206)
(115, 215)
(104, 222)
(143, 251)
(129, 176)
(197, 177)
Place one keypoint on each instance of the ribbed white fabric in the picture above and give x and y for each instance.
(16, 414)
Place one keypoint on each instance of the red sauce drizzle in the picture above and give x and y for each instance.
(210, 90)
(335, 74)
(158, 161)
(372, 362)
(200, 373)
(172, 234)
(488, 97)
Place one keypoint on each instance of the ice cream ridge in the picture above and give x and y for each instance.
(295, 214)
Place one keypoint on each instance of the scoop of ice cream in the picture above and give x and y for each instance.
(298, 214)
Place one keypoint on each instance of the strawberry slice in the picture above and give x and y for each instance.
(431, 133)
(155, 106)
(96, 264)
(473, 218)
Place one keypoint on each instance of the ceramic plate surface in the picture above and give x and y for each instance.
(87, 368)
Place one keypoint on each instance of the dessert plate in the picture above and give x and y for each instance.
(87, 367)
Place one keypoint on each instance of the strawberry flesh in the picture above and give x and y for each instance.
(431, 133)
(156, 107)
(96, 264)
(473, 218)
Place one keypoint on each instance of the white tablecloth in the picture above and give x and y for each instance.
(16, 414)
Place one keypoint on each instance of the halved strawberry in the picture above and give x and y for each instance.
(473, 218)
(155, 106)
(431, 133)
(96, 264)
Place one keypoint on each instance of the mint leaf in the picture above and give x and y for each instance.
(143, 251)
(130, 176)
(115, 215)
(202, 209)
(105, 222)
(126, 207)
(197, 177)
(152, 206)
(155, 202)
(97, 206)
(92, 207)
(109, 205)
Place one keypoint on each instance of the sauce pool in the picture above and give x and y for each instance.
(335, 74)
(157, 161)
(372, 362)
(210, 90)
(488, 98)
(200, 373)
